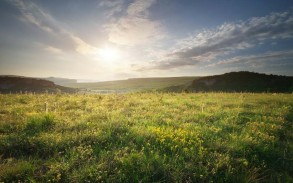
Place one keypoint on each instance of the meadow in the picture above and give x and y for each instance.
(146, 137)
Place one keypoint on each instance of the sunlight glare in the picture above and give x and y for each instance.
(109, 54)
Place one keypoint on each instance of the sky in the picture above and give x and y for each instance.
(120, 39)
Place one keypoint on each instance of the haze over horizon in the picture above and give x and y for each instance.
(120, 39)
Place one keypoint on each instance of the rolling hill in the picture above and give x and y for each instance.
(17, 84)
(243, 82)
(60, 81)
(134, 84)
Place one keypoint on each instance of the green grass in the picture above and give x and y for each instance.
(136, 84)
(147, 137)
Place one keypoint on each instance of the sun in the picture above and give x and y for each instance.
(109, 54)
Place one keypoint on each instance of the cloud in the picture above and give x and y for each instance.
(140, 8)
(53, 50)
(82, 47)
(276, 57)
(110, 3)
(112, 6)
(208, 45)
(136, 28)
(33, 14)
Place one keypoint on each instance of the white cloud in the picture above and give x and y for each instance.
(112, 6)
(135, 28)
(133, 31)
(208, 45)
(52, 49)
(275, 56)
(140, 8)
(82, 47)
(110, 3)
(33, 14)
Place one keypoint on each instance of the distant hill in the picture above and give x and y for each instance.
(60, 81)
(135, 84)
(243, 82)
(16, 84)
(230, 82)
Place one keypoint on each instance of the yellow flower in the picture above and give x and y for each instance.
(58, 176)
(245, 162)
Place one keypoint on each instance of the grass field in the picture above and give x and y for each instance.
(146, 137)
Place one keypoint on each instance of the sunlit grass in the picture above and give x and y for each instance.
(147, 137)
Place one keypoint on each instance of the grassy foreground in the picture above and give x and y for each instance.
(147, 137)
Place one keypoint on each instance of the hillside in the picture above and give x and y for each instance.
(230, 82)
(60, 81)
(135, 84)
(243, 82)
(16, 84)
